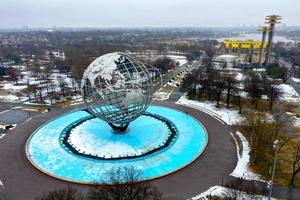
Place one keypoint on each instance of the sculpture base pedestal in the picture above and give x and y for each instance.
(119, 128)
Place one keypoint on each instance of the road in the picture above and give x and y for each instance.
(176, 94)
(23, 181)
(186, 67)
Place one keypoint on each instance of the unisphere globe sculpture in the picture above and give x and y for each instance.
(117, 89)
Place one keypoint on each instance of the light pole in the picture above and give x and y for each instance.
(270, 183)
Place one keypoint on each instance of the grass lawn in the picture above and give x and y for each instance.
(66, 102)
(33, 109)
(167, 89)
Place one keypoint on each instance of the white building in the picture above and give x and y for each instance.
(226, 61)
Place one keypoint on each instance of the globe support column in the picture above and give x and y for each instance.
(119, 129)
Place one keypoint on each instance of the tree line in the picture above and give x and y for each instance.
(123, 183)
(217, 85)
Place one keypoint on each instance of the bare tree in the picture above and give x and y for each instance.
(40, 90)
(238, 99)
(253, 86)
(189, 84)
(238, 189)
(125, 186)
(62, 84)
(218, 88)
(278, 113)
(282, 73)
(229, 85)
(295, 164)
(13, 75)
(62, 194)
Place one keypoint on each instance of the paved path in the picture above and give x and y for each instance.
(23, 181)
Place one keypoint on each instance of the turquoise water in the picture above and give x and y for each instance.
(46, 152)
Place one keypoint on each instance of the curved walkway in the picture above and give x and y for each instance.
(23, 181)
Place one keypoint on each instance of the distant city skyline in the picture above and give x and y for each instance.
(139, 13)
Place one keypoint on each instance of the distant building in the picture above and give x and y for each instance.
(58, 55)
(247, 44)
(6, 62)
(226, 61)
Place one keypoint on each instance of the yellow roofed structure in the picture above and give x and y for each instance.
(247, 44)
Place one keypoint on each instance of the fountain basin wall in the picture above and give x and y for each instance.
(46, 151)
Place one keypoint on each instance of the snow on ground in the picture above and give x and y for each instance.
(259, 69)
(231, 117)
(227, 115)
(296, 121)
(242, 169)
(9, 89)
(11, 98)
(296, 79)
(5, 127)
(174, 83)
(222, 191)
(12, 87)
(181, 59)
(161, 96)
(19, 67)
(288, 93)
(1, 136)
(239, 76)
(1, 184)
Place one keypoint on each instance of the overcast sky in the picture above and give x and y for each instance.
(115, 13)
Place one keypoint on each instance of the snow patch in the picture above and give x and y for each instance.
(1, 184)
(7, 126)
(296, 122)
(288, 93)
(222, 191)
(297, 80)
(242, 169)
(239, 76)
(11, 98)
(228, 116)
(12, 87)
(180, 59)
(161, 96)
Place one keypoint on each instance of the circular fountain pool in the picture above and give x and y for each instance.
(80, 148)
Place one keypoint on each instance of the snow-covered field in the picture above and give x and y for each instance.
(223, 192)
(12, 92)
(10, 86)
(227, 115)
(11, 98)
(288, 93)
(181, 59)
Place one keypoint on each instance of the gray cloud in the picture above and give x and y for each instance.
(99, 13)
